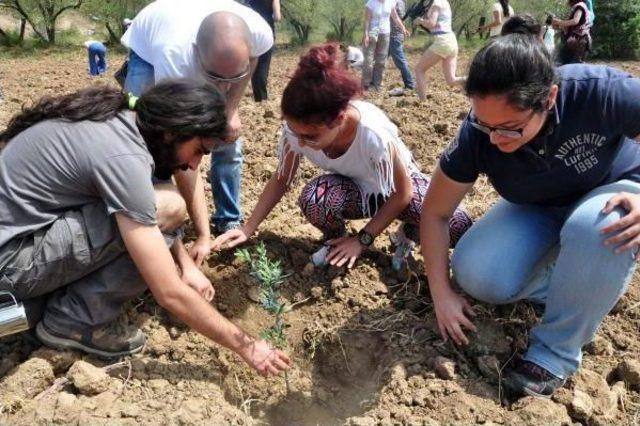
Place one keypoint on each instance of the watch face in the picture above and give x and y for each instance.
(365, 238)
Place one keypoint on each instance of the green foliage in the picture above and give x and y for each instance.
(302, 17)
(41, 15)
(10, 38)
(112, 13)
(270, 276)
(616, 33)
(344, 17)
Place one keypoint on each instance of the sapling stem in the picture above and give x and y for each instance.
(269, 275)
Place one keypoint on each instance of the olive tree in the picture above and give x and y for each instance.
(113, 12)
(41, 15)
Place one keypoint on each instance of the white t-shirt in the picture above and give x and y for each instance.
(497, 7)
(368, 161)
(355, 57)
(443, 23)
(380, 15)
(164, 33)
(550, 39)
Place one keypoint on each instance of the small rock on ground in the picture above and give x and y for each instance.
(444, 368)
(88, 379)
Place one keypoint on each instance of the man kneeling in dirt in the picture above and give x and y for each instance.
(82, 224)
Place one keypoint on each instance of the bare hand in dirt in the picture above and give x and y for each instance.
(451, 312)
(627, 228)
(194, 278)
(343, 250)
(234, 124)
(265, 359)
(230, 239)
(199, 250)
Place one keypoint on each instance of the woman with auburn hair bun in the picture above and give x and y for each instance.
(371, 173)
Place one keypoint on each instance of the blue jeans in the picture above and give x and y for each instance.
(553, 256)
(139, 75)
(226, 170)
(97, 58)
(226, 159)
(396, 51)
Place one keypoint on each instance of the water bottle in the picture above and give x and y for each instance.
(13, 317)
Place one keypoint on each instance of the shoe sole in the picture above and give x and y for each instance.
(535, 394)
(62, 343)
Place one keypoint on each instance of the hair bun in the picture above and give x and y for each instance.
(318, 61)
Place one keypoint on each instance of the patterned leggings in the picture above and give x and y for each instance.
(328, 200)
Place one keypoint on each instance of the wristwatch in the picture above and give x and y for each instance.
(365, 238)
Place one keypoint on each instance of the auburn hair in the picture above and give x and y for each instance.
(321, 86)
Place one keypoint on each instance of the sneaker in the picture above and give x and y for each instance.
(112, 340)
(404, 249)
(319, 258)
(527, 378)
(222, 227)
(398, 91)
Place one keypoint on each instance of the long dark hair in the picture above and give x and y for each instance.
(515, 66)
(505, 7)
(169, 113)
(96, 103)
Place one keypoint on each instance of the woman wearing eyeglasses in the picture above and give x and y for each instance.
(371, 173)
(557, 145)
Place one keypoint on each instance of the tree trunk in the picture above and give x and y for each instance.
(23, 30)
(112, 34)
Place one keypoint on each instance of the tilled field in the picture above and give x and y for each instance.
(363, 341)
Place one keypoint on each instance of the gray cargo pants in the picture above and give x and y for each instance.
(81, 262)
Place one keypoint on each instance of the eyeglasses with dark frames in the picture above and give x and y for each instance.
(506, 133)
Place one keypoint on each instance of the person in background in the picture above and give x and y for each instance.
(97, 53)
(369, 172)
(354, 58)
(218, 41)
(396, 51)
(270, 12)
(501, 11)
(95, 232)
(560, 146)
(437, 21)
(576, 33)
(375, 41)
(592, 15)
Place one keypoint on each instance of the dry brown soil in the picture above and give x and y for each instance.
(364, 344)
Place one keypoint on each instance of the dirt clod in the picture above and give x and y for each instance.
(88, 379)
(599, 346)
(25, 381)
(593, 384)
(537, 411)
(444, 368)
(629, 371)
(581, 405)
(254, 294)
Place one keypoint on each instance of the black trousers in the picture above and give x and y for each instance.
(261, 76)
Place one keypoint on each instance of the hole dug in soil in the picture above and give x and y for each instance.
(341, 380)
